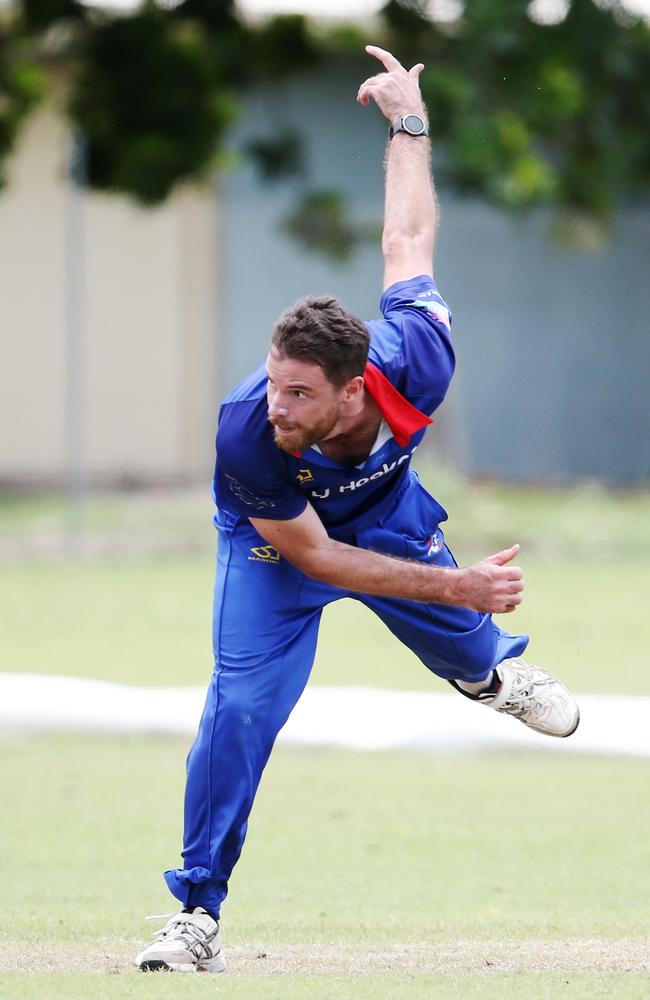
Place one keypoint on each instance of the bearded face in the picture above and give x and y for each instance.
(296, 436)
(304, 406)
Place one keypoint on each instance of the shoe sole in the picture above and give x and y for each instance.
(213, 965)
(572, 731)
(154, 965)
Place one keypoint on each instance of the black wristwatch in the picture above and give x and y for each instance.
(411, 124)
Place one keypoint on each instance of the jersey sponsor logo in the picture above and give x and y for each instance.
(245, 495)
(356, 484)
(304, 476)
(265, 554)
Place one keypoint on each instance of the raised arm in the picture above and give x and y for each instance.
(489, 586)
(410, 214)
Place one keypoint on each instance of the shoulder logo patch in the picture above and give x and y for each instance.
(436, 309)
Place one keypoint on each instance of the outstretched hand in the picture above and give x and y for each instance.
(395, 92)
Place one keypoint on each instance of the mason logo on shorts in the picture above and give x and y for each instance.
(265, 553)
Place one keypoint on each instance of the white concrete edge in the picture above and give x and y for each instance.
(353, 717)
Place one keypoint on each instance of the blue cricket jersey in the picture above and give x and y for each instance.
(410, 365)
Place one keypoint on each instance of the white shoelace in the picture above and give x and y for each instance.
(196, 939)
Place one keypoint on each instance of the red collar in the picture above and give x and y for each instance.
(402, 417)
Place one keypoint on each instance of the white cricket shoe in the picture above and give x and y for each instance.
(189, 942)
(534, 697)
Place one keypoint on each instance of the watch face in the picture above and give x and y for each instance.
(414, 124)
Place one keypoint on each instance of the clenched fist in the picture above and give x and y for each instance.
(491, 585)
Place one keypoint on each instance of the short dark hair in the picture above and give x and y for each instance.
(321, 330)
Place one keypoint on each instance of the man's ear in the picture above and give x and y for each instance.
(353, 387)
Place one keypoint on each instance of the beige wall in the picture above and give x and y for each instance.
(149, 337)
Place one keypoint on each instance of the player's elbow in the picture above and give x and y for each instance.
(318, 562)
(405, 244)
(444, 375)
(447, 366)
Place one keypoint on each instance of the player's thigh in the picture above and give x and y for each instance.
(452, 642)
(264, 609)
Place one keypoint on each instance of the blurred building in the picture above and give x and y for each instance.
(148, 284)
(553, 345)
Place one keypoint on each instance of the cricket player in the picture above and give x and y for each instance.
(316, 501)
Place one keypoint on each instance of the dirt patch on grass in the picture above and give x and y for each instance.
(595, 955)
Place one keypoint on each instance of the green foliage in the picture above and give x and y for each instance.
(532, 113)
(159, 119)
(21, 86)
(225, 36)
(321, 221)
(281, 47)
(278, 156)
(406, 20)
(153, 91)
(38, 15)
(529, 113)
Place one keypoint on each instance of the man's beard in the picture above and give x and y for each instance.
(298, 437)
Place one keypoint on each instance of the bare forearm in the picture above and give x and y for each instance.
(410, 205)
(367, 572)
(491, 585)
(410, 212)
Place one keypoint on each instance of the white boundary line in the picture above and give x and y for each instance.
(354, 717)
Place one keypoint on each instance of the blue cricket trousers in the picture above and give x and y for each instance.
(266, 618)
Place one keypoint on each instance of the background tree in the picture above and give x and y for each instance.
(529, 112)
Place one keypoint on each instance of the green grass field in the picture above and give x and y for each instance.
(147, 621)
(135, 607)
(364, 875)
